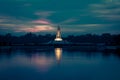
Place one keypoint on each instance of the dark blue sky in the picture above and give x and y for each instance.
(74, 16)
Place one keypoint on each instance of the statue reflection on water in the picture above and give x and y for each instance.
(58, 54)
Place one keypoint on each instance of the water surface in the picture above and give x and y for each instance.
(58, 64)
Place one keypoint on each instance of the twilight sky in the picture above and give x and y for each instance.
(74, 16)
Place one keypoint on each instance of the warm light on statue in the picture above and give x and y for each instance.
(58, 35)
(58, 39)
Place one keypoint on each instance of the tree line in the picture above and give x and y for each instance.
(106, 38)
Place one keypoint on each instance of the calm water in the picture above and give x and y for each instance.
(58, 64)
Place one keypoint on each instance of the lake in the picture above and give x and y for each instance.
(49, 63)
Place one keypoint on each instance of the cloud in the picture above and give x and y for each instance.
(5, 19)
(8, 23)
(71, 20)
(88, 25)
(26, 16)
(73, 30)
(44, 14)
(110, 1)
(41, 21)
(110, 12)
(36, 28)
(2, 20)
(95, 25)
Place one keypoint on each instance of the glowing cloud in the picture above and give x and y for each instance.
(41, 22)
(36, 28)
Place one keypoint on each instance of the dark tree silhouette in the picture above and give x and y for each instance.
(31, 38)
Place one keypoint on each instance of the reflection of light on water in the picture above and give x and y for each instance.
(58, 53)
(42, 62)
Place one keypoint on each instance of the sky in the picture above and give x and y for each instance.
(74, 16)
